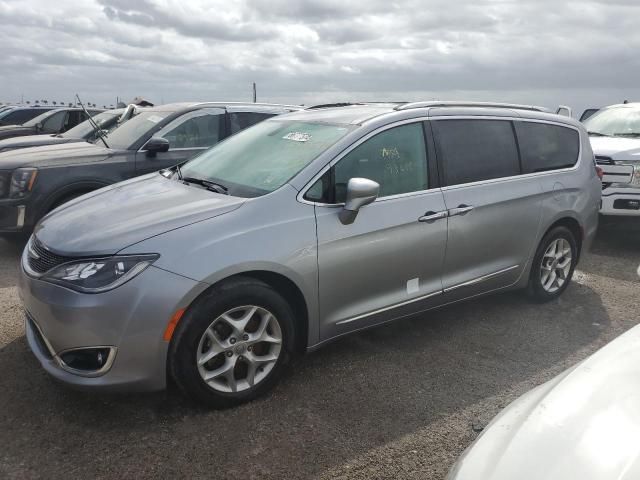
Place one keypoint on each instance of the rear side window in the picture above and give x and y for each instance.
(475, 150)
(241, 120)
(546, 147)
(18, 117)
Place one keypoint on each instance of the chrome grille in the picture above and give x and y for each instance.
(42, 260)
(602, 160)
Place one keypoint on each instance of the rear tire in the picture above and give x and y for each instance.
(553, 265)
(233, 343)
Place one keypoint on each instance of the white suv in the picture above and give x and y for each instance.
(615, 138)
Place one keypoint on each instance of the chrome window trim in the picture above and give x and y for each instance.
(390, 307)
(480, 279)
(300, 197)
(522, 175)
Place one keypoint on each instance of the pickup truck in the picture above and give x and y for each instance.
(614, 132)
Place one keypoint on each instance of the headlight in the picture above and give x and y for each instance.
(99, 274)
(22, 182)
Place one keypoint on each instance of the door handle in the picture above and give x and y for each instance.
(431, 217)
(461, 210)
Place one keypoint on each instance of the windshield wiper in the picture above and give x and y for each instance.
(627, 134)
(178, 172)
(597, 134)
(212, 186)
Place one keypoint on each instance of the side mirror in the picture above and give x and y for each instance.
(39, 127)
(360, 192)
(156, 145)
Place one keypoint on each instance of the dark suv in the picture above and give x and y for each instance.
(83, 132)
(52, 122)
(18, 115)
(34, 181)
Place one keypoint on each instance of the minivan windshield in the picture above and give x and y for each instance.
(131, 131)
(623, 121)
(264, 157)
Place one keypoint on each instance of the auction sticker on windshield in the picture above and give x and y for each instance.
(297, 137)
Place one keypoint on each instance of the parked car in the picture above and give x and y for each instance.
(52, 122)
(106, 121)
(19, 115)
(33, 181)
(615, 138)
(584, 424)
(301, 229)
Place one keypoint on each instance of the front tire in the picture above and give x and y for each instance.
(233, 343)
(553, 265)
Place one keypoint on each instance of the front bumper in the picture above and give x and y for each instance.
(131, 319)
(621, 201)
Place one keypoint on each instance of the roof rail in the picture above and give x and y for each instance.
(435, 103)
(349, 104)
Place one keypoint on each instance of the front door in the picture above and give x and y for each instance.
(388, 262)
(188, 135)
(494, 212)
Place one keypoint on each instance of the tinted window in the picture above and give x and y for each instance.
(241, 120)
(195, 129)
(74, 118)
(53, 123)
(395, 158)
(474, 150)
(18, 117)
(546, 147)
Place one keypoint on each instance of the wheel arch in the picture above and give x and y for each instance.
(573, 225)
(287, 288)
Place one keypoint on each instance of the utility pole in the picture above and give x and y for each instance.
(255, 95)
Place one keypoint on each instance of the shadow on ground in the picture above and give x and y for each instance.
(356, 394)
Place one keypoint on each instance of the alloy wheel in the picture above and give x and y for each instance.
(239, 349)
(556, 265)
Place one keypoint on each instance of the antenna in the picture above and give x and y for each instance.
(93, 123)
(255, 94)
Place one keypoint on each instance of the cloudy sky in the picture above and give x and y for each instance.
(583, 53)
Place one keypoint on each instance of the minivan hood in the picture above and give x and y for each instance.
(54, 155)
(618, 148)
(584, 424)
(112, 218)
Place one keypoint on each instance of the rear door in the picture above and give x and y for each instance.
(494, 211)
(188, 135)
(388, 262)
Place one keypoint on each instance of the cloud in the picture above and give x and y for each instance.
(315, 51)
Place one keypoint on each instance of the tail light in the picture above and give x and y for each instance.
(599, 172)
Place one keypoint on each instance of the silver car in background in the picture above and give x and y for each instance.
(583, 424)
(301, 229)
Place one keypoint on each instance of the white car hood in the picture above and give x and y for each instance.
(618, 148)
(583, 424)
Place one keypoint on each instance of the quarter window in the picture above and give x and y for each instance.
(241, 120)
(475, 150)
(546, 147)
(395, 158)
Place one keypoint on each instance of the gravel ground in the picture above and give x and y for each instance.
(400, 401)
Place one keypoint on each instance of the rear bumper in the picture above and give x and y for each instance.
(621, 201)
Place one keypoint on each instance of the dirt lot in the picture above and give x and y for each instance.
(400, 401)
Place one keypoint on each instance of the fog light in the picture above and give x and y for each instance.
(88, 360)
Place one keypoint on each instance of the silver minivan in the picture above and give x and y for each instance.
(301, 229)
